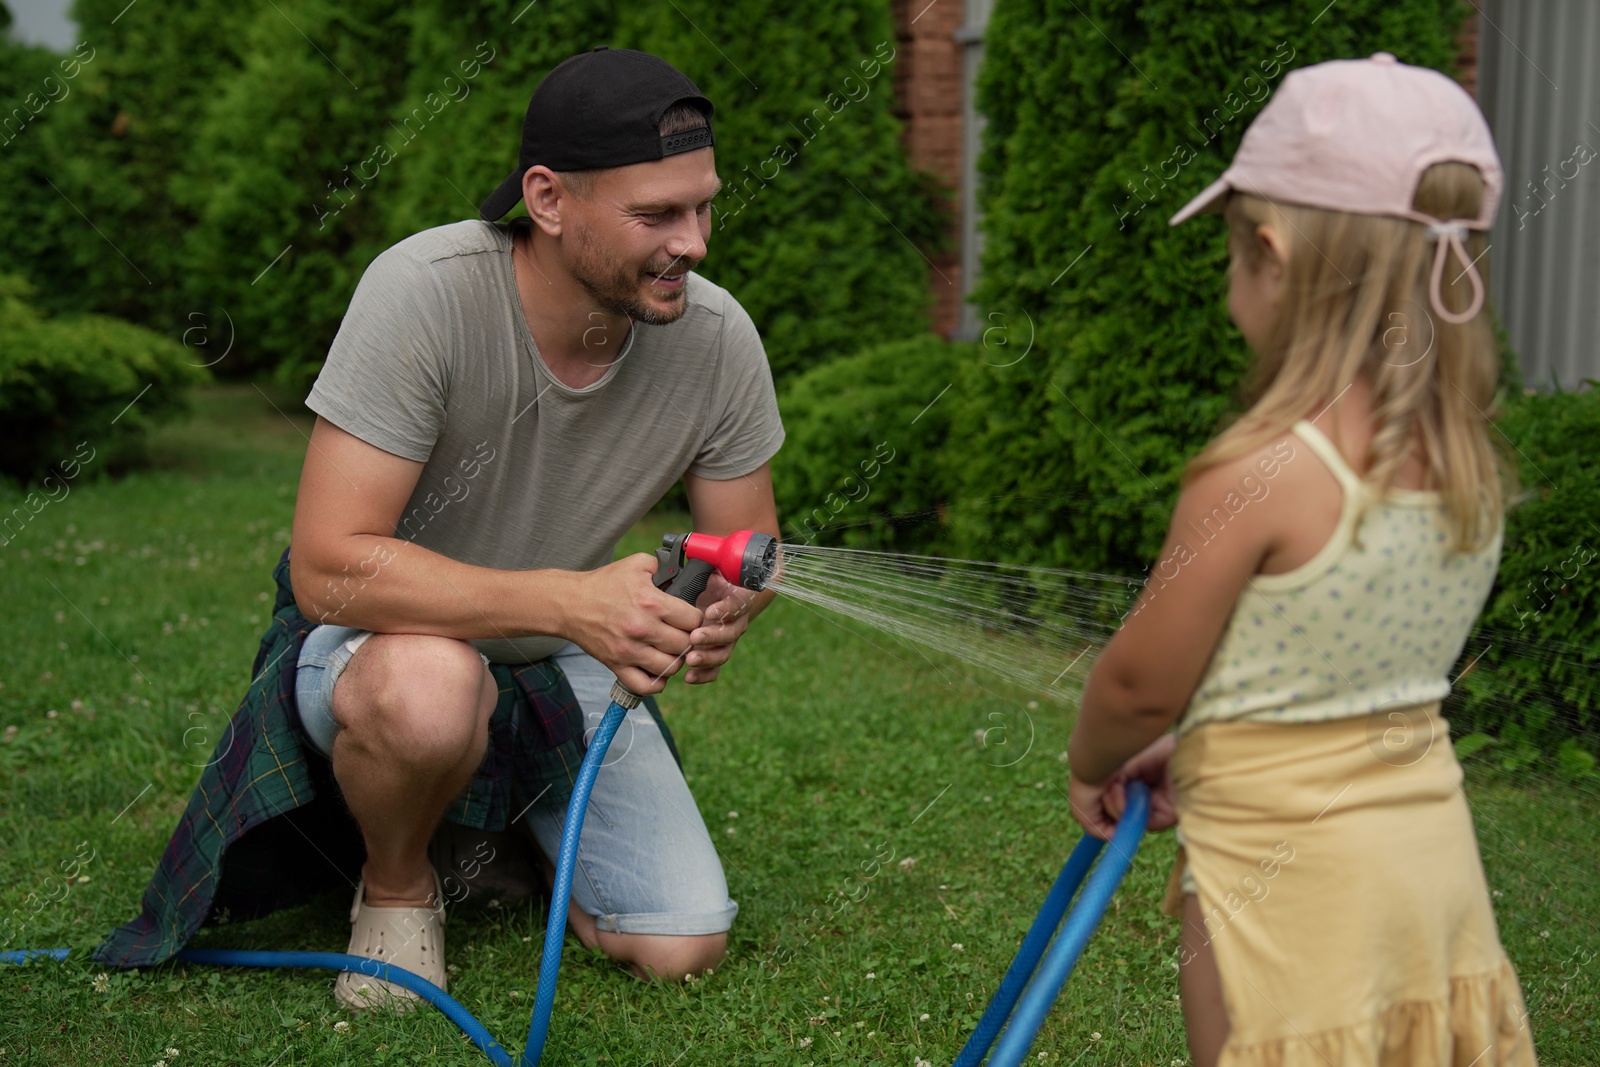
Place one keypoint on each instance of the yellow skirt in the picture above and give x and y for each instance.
(1344, 898)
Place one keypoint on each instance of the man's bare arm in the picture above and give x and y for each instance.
(349, 569)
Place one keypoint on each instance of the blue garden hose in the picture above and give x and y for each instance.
(549, 965)
(1039, 991)
(338, 961)
(556, 928)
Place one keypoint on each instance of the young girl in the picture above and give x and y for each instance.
(1327, 557)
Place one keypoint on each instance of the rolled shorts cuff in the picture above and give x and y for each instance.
(678, 924)
(324, 655)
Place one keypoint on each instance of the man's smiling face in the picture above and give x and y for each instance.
(639, 230)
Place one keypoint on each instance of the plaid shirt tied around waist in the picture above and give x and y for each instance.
(266, 827)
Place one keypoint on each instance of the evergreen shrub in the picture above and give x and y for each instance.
(80, 390)
(1104, 118)
(1538, 653)
(866, 459)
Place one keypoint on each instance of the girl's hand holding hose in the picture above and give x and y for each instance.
(1098, 807)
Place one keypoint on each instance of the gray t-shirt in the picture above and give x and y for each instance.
(434, 363)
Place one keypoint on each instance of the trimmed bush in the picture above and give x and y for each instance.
(1105, 117)
(865, 463)
(1534, 687)
(80, 390)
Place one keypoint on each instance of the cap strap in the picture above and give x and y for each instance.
(1448, 237)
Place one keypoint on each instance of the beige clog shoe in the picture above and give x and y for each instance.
(409, 937)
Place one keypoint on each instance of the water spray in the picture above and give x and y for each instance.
(939, 598)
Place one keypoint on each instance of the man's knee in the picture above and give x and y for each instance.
(421, 697)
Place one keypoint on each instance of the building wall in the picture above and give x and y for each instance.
(1540, 88)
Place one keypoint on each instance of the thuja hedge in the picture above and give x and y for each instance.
(247, 162)
(77, 392)
(1529, 677)
(867, 459)
(1104, 117)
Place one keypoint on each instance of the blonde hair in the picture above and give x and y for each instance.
(1355, 303)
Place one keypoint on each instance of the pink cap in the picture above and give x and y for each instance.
(1356, 135)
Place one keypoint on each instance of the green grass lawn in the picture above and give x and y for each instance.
(885, 863)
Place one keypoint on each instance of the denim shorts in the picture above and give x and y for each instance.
(646, 864)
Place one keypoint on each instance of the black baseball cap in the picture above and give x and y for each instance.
(601, 109)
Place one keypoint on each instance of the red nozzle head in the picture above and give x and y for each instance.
(746, 558)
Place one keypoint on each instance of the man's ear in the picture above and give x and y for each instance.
(543, 194)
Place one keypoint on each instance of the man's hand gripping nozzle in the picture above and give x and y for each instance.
(686, 561)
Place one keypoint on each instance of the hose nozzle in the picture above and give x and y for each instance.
(746, 559)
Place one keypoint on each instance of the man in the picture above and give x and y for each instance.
(502, 402)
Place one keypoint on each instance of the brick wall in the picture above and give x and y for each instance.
(1467, 53)
(928, 92)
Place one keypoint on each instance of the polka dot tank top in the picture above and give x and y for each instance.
(1361, 627)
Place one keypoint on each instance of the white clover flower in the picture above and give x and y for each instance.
(805, 1042)
(1095, 1036)
(341, 1026)
(925, 1017)
(958, 946)
(909, 863)
(872, 974)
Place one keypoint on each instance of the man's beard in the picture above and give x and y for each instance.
(614, 285)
